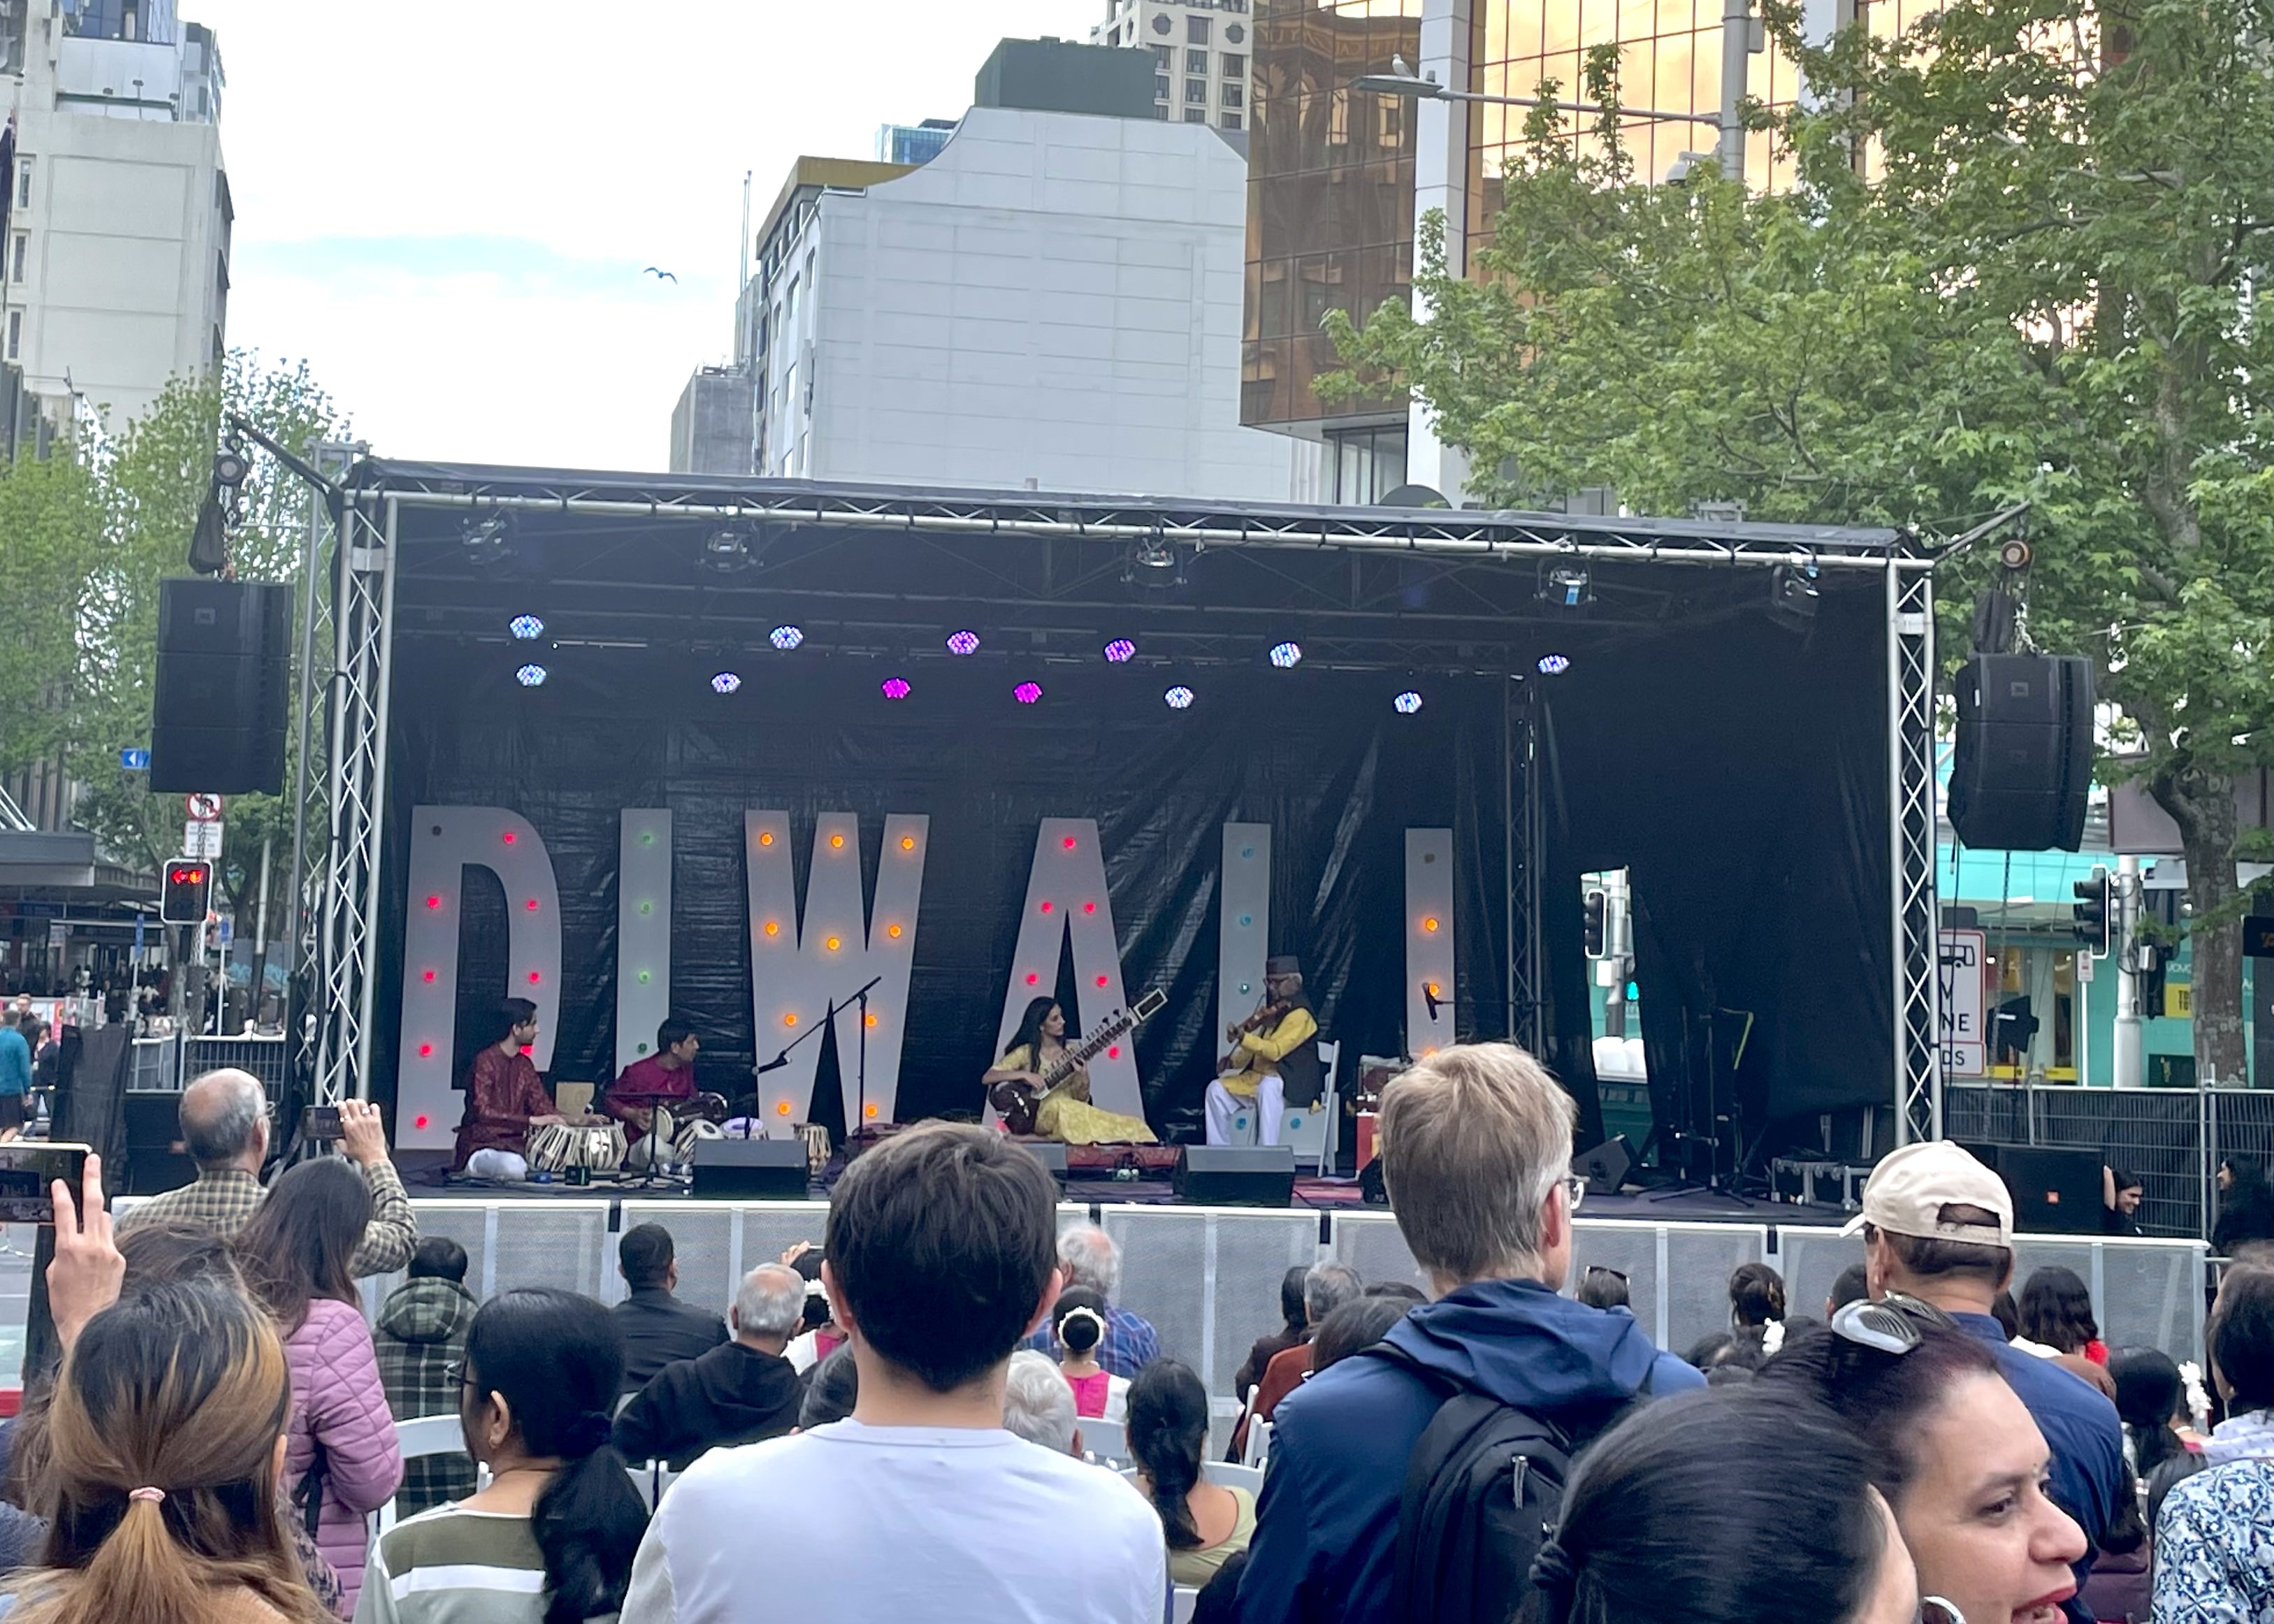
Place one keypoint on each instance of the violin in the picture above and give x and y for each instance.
(1267, 1014)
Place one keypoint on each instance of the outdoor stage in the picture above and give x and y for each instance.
(573, 760)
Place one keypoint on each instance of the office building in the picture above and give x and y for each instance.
(710, 426)
(1200, 51)
(1051, 301)
(118, 230)
(913, 144)
(1340, 179)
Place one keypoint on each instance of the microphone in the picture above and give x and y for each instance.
(775, 1064)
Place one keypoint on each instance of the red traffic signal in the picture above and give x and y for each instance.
(187, 892)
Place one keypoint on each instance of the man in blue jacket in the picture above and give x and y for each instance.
(1476, 1149)
(15, 1071)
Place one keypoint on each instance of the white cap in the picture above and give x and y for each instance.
(1911, 1187)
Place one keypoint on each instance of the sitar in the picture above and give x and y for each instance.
(1019, 1103)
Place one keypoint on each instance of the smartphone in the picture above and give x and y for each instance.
(26, 1171)
(319, 1122)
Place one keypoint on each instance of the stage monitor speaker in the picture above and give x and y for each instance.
(2054, 1191)
(155, 1160)
(223, 682)
(1051, 1154)
(2021, 761)
(1236, 1174)
(749, 1170)
(1605, 1167)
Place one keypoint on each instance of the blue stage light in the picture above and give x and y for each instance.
(532, 675)
(724, 682)
(785, 637)
(528, 627)
(1287, 656)
(1554, 665)
(1407, 703)
(1178, 698)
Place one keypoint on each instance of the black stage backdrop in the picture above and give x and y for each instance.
(1321, 756)
(1736, 766)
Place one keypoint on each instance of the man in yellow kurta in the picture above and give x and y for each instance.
(1271, 1065)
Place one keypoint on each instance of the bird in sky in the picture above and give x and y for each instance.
(662, 275)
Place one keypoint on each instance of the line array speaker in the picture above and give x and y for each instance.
(223, 681)
(2022, 762)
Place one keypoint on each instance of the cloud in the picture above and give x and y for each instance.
(436, 203)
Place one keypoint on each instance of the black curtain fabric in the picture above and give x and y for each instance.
(1321, 756)
(1738, 770)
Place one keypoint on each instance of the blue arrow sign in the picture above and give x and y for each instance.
(134, 761)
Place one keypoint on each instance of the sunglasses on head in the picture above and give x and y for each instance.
(1895, 1324)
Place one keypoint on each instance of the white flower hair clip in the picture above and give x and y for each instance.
(1773, 1338)
(2198, 1400)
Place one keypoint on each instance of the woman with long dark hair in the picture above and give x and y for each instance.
(161, 1470)
(1656, 1524)
(341, 1460)
(2056, 1307)
(1167, 1428)
(504, 1098)
(550, 1540)
(1040, 1044)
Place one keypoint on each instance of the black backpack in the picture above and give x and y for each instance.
(1483, 1490)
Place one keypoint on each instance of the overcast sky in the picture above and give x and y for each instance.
(446, 209)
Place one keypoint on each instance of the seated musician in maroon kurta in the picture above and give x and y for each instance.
(665, 1078)
(504, 1099)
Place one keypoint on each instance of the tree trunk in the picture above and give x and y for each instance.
(2202, 805)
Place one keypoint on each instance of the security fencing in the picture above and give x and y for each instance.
(165, 1063)
(2173, 1140)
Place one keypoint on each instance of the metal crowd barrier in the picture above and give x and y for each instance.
(166, 1063)
(2173, 1139)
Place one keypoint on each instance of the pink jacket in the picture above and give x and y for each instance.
(339, 1401)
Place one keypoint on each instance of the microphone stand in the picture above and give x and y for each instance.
(836, 1007)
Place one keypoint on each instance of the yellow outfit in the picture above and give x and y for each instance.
(1264, 1049)
(1068, 1114)
(1197, 1567)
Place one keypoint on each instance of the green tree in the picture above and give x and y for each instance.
(2027, 255)
(153, 481)
(52, 523)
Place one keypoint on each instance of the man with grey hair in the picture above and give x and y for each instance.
(1326, 1287)
(1087, 1257)
(224, 1118)
(740, 1392)
(1475, 1147)
(1038, 1406)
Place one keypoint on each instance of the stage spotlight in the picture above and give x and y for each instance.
(1120, 651)
(231, 468)
(895, 687)
(785, 637)
(487, 539)
(1793, 597)
(1028, 693)
(1554, 665)
(1178, 698)
(726, 553)
(1567, 586)
(527, 627)
(532, 675)
(724, 682)
(963, 642)
(1287, 656)
(1407, 703)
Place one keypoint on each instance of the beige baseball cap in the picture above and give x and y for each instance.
(1910, 1187)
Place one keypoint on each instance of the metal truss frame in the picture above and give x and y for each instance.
(347, 922)
(364, 614)
(1914, 919)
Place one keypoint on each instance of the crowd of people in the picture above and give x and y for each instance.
(905, 1421)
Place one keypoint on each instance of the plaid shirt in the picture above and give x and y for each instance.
(1130, 1342)
(224, 1201)
(418, 1381)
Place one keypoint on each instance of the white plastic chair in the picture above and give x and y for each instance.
(1259, 1444)
(427, 1435)
(1187, 1597)
(1104, 1443)
(651, 1480)
(1224, 1475)
(1309, 1130)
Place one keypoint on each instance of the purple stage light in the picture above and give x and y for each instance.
(896, 688)
(1028, 693)
(1120, 651)
(963, 642)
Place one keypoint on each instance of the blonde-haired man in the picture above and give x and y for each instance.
(1476, 1149)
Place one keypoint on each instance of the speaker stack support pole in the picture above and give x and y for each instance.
(2125, 1061)
(1914, 920)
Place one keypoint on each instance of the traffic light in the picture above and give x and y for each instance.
(1594, 908)
(2092, 911)
(187, 893)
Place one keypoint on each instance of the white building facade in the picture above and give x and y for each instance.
(1200, 53)
(116, 273)
(1053, 302)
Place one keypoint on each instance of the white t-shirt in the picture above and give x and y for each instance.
(899, 1525)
